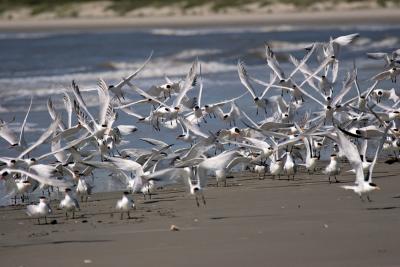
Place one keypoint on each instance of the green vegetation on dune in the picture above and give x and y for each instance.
(124, 6)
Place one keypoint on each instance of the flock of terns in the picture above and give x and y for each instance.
(290, 133)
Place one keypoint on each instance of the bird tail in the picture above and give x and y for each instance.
(347, 187)
(30, 210)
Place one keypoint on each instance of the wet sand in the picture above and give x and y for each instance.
(301, 18)
(306, 222)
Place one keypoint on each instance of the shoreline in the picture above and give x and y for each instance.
(325, 18)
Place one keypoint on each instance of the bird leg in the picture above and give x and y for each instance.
(45, 219)
(204, 200)
(66, 215)
(337, 181)
(369, 200)
(38, 221)
(197, 202)
(122, 215)
(73, 214)
(129, 216)
(329, 179)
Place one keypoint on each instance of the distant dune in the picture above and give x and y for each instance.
(23, 15)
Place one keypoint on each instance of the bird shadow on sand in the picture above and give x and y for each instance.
(158, 200)
(384, 208)
(297, 183)
(56, 243)
(240, 216)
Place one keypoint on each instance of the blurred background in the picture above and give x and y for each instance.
(12, 9)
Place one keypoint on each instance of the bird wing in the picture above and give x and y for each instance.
(54, 114)
(42, 138)
(104, 101)
(303, 61)
(200, 88)
(381, 76)
(126, 164)
(352, 154)
(347, 85)
(269, 85)
(22, 141)
(78, 97)
(344, 40)
(378, 150)
(392, 95)
(68, 107)
(223, 102)
(168, 175)
(7, 134)
(273, 63)
(187, 84)
(244, 78)
(193, 128)
(130, 77)
(41, 179)
(377, 55)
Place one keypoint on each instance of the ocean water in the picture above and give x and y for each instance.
(42, 65)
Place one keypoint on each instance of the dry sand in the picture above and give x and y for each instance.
(306, 222)
(308, 18)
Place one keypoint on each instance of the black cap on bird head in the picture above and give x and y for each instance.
(373, 184)
(237, 130)
(126, 193)
(67, 190)
(196, 107)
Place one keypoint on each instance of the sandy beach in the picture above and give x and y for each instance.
(306, 222)
(324, 18)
